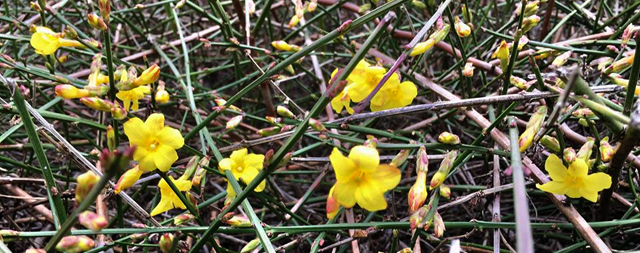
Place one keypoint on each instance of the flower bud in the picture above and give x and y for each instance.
(519, 82)
(6, 234)
(166, 240)
(332, 204)
(400, 158)
(97, 104)
(105, 9)
(537, 119)
(445, 191)
(529, 23)
(422, 160)
(75, 244)
(466, 14)
(294, 21)
(550, 143)
(561, 59)
(148, 76)
(586, 149)
(290, 69)
(269, 131)
(606, 150)
(441, 33)
(502, 53)
(284, 46)
(138, 236)
(443, 171)
(35, 6)
(86, 182)
(405, 250)
(529, 9)
(239, 220)
(569, 155)
(183, 219)
(448, 138)
(128, 179)
(285, 112)
(234, 122)
(68, 91)
(438, 225)
(111, 138)
(468, 69)
(92, 221)
(462, 29)
(162, 96)
(316, 125)
(418, 192)
(603, 63)
(416, 219)
(422, 47)
(200, 171)
(627, 34)
(96, 22)
(619, 65)
(118, 112)
(419, 4)
(583, 113)
(312, 6)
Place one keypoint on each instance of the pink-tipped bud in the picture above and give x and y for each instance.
(583, 113)
(569, 155)
(166, 240)
(316, 125)
(400, 158)
(550, 143)
(97, 104)
(105, 9)
(251, 246)
(92, 221)
(332, 204)
(111, 138)
(462, 29)
(313, 5)
(183, 219)
(294, 21)
(234, 122)
(627, 35)
(445, 191)
(468, 69)
(269, 131)
(438, 225)
(75, 244)
(561, 59)
(118, 112)
(529, 23)
(68, 91)
(86, 182)
(448, 138)
(620, 65)
(587, 148)
(128, 179)
(238, 221)
(437, 180)
(526, 139)
(418, 192)
(283, 111)
(443, 170)
(519, 82)
(606, 150)
(422, 161)
(96, 22)
(416, 219)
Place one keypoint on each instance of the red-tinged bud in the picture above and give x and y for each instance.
(68, 91)
(138, 237)
(128, 179)
(92, 221)
(627, 35)
(603, 63)
(166, 240)
(550, 143)
(438, 225)
(96, 22)
(400, 158)
(192, 199)
(443, 171)
(252, 245)
(519, 82)
(620, 65)
(316, 125)
(86, 182)
(162, 96)
(418, 192)
(445, 191)
(526, 139)
(148, 76)
(448, 138)
(561, 59)
(234, 122)
(332, 204)
(422, 161)
(606, 150)
(529, 23)
(502, 53)
(287, 157)
(462, 29)
(268, 157)
(294, 21)
(75, 244)
(97, 104)
(286, 128)
(613, 49)
(183, 219)
(284, 46)
(416, 220)
(468, 69)
(537, 119)
(239, 221)
(583, 113)
(269, 131)
(569, 155)
(371, 142)
(422, 47)
(313, 5)
(587, 148)
(105, 9)
(35, 6)
(32, 250)
(111, 138)
(437, 180)
(118, 112)
(200, 171)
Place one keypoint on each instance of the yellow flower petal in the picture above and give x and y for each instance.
(578, 168)
(597, 182)
(45, 43)
(409, 91)
(589, 195)
(230, 192)
(163, 206)
(248, 175)
(155, 122)
(140, 153)
(148, 163)
(385, 178)
(342, 165)
(170, 137)
(137, 132)
(227, 164)
(344, 193)
(365, 158)
(253, 161)
(369, 197)
(183, 184)
(238, 156)
(177, 203)
(557, 170)
(164, 157)
(553, 187)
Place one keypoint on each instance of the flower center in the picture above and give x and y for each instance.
(154, 145)
(575, 181)
(358, 177)
(240, 169)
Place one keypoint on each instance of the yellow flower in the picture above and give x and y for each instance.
(155, 143)
(68, 91)
(394, 96)
(162, 96)
(127, 179)
(574, 182)
(168, 198)
(342, 100)
(46, 42)
(133, 95)
(148, 76)
(362, 179)
(244, 166)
